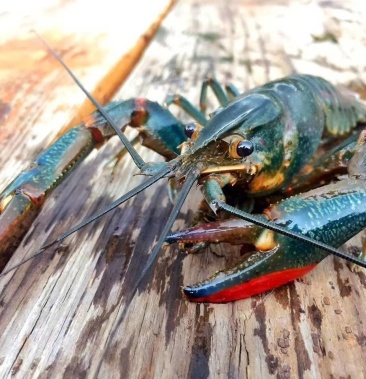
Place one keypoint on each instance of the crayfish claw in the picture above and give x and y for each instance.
(259, 273)
(232, 284)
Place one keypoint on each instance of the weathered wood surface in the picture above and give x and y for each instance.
(58, 312)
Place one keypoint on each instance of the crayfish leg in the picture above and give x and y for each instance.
(217, 90)
(331, 160)
(183, 103)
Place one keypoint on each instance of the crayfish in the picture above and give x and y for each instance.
(278, 149)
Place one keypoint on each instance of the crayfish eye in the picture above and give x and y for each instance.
(245, 148)
(190, 129)
(240, 148)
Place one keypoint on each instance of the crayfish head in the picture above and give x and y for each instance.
(213, 159)
(229, 156)
(243, 140)
(242, 145)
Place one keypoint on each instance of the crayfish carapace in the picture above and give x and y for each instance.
(280, 138)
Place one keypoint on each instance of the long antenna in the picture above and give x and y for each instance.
(191, 178)
(134, 154)
(92, 218)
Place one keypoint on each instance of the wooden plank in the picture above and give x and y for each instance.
(58, 313)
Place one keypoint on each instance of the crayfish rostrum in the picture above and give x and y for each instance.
(278, 149)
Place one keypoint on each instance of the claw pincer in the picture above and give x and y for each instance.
(332, 214)
(20, 202)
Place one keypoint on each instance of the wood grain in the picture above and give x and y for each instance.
(59, 313)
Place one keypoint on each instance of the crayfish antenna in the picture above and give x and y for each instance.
(191, 179)
(141, 187)
(134, 154)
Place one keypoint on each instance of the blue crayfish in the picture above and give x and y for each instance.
(271, 145)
